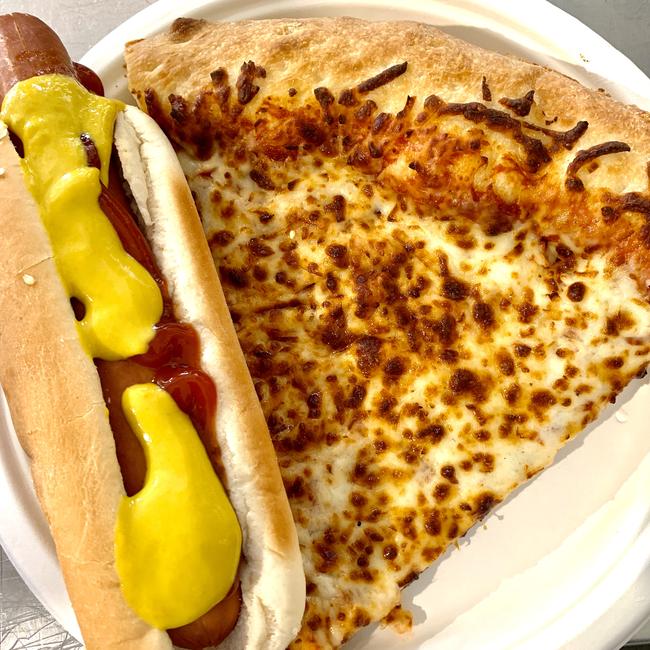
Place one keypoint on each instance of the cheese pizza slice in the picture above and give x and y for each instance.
(437, 259)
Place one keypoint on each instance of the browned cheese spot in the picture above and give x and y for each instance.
(527, 312)
(219, 77)
(335, 332)
(542, 399)
(576, 291)
(486, 93)
(356, 398)
(573, 183)
(433, 433)
(246, 89)
(384, 77)
(259, 248)
(449, 472)
(338, 253)
(511, 394)
(466, 382)
(520, 106)
(484, 503)
(522, 350)
(614, 362)
(506, 363)
(337, 208)
(485, 462)
(368, 351)
(261, 179)
(618, 323)
(235, 277)
(454, 289)
(221, 238)
(395, 367)
(178, 109)
(348, 98)
(441, 491)
(483, 315)
(433, 523)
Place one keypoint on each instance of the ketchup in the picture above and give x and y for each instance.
(172, 360)
(174, 343)
(115, 206)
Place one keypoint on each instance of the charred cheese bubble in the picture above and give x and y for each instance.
(181, 494)
(122, 301)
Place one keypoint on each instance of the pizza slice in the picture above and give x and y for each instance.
(437, 259)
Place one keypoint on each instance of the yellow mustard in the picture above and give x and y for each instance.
(178, 539)
(177, 542)
(121, 299)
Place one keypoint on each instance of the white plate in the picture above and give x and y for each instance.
(563, 563)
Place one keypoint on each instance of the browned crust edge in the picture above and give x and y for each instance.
(344, 51)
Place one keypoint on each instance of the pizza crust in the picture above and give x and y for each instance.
(342, 52)
(345, 51)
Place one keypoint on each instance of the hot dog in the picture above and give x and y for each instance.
(124, 377)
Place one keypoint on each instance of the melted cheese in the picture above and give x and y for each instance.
(397, 432)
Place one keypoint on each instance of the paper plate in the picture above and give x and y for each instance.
(565, 561)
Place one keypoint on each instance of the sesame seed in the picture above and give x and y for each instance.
(28, 279)
(292, 234)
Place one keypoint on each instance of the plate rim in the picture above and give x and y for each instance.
(140, 18)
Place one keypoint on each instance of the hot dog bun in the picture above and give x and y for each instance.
(58, 410)
(59, 415)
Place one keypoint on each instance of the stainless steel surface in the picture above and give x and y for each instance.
(24, 623)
